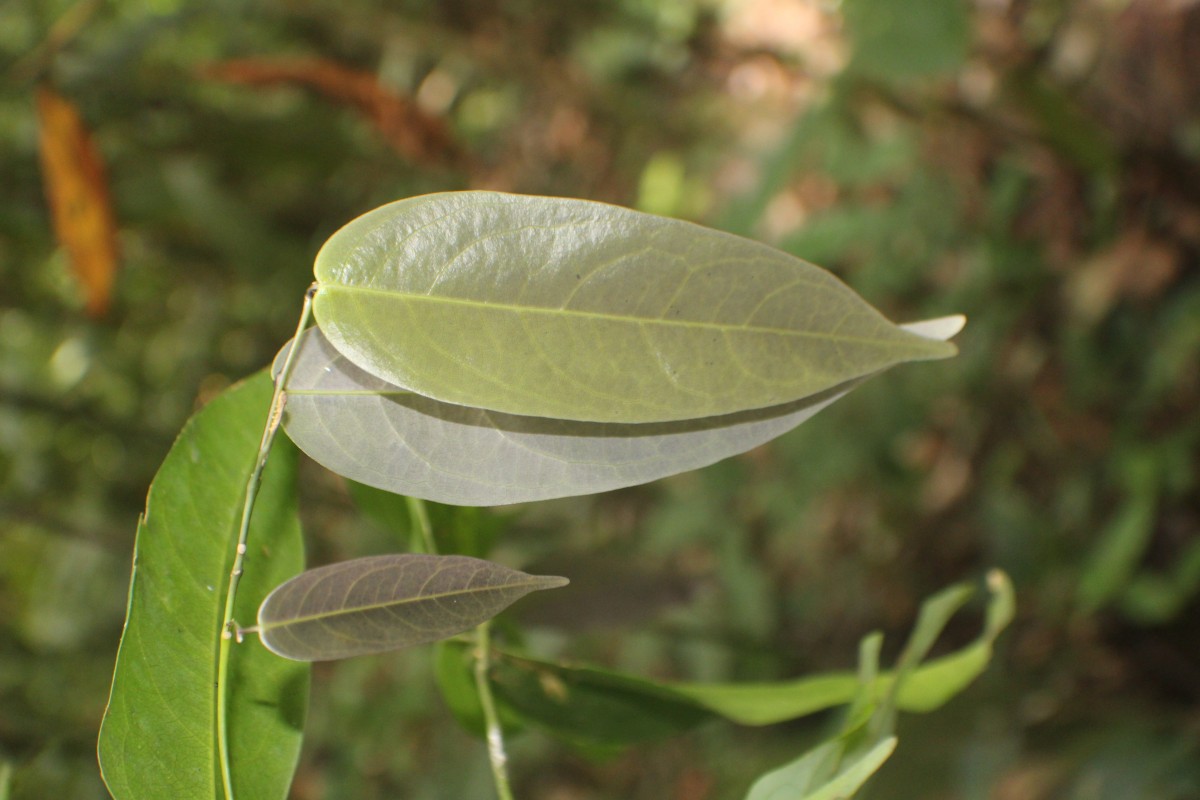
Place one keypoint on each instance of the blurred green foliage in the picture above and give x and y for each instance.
(1032, 165)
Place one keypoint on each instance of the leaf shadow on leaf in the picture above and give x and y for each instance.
(371, 431)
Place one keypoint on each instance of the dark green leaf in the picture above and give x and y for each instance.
(589, 703)
(569, 309)
(158, 739)
(592, 706)
(454, 671)
(381, 603)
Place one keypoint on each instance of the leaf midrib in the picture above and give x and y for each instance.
(931, 345)
(377, 606)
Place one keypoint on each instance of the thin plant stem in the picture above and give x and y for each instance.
(228, 627)
(495, 735)
(420, 518)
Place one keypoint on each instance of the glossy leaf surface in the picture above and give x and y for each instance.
(365, 429)
(381, 603)
(570, 309)
(158, 738)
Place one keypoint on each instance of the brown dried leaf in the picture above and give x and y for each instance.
(412, 132)
(77, 190)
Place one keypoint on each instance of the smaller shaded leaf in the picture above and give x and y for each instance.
(381, 603)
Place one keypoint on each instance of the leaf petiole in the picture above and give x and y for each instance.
(229, 629)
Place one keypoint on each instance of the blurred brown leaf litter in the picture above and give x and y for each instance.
(76, 187)
(412, 132)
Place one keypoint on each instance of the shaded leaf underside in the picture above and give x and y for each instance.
(363, 428)
(359, 426)
(381, 603)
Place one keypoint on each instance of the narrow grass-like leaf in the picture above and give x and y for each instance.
(570, 309)
(158, 737)
(927, 687)
(381, 603)
(623, 709)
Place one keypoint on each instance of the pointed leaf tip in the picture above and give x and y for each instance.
(940, 329)
(381, 603)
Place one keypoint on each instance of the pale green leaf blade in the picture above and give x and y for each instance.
(570, 309)
(803, 779)
(158, 738)
(381, 603)
(363, 428)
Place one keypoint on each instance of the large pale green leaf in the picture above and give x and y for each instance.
(158, 739)
(381, 603)
(569, 309)
(379, 434)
